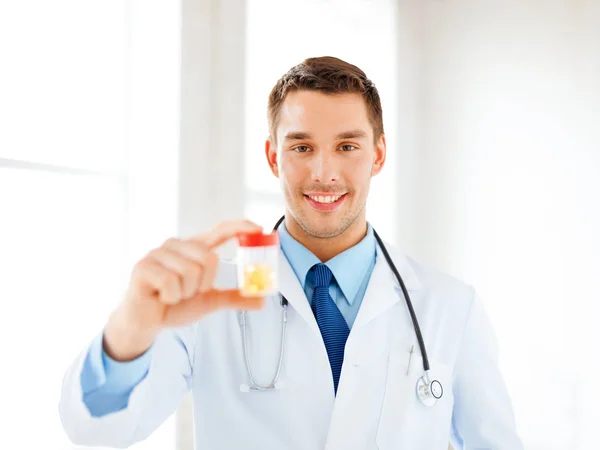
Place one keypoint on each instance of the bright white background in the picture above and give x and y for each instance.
(122, 123)
(88, 105)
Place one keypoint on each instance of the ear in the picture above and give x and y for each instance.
(271, 154)
(379, 158)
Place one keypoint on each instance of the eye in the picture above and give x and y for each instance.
(301, 149)
(348, 147)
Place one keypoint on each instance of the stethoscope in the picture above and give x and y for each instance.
(429, 390)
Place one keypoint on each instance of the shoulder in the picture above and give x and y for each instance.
(448, 308)
(427, 277)
(435, 288)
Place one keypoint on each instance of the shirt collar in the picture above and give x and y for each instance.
(349, 267)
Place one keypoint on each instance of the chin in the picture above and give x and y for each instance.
(324, 225)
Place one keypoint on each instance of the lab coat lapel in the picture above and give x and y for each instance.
(372, 354)
(290, 288)
(383, 290)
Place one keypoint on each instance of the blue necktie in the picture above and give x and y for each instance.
(332, 324)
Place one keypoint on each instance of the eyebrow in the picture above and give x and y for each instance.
(352, 134)
(296, 136)
(301, 135)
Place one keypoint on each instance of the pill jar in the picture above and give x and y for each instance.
(257, 260)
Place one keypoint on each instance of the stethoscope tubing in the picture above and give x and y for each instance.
(411, 310)
(409, 305)
(428, 390)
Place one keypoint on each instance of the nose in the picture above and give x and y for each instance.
(325, 168)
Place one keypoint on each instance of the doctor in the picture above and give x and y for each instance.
(351, 373)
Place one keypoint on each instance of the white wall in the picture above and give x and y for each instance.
(408, 104)
(507, 187)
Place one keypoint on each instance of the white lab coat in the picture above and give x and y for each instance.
(376, 406)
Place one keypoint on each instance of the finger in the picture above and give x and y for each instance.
(188, 271)
(165, 282)
(210, 271)
(225, 231)
(208, 261)
(189, 249)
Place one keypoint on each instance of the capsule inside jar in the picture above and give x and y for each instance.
(257, 259)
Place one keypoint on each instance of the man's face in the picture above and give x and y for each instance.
(325, 158)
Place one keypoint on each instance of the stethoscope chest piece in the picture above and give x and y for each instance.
(429, 391)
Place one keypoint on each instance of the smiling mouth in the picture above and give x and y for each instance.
(325, 203)
(325, 199)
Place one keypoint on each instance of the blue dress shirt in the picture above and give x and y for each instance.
(106, 384)
(351, 271)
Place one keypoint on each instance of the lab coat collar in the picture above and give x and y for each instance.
(349, 268)
(383, 291)
(361, 256)
(290, 288)
(403, 264)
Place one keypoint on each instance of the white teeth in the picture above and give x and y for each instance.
(325, 199)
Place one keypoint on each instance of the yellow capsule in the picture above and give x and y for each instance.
(258, 279)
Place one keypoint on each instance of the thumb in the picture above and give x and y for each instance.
(202, 304)
(231, 298)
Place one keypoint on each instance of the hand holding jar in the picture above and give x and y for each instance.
(173, 286)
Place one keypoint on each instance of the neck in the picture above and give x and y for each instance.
(327, 248)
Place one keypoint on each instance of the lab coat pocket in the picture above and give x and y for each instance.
(405, 422)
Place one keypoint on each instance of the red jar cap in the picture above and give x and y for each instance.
(257, 239)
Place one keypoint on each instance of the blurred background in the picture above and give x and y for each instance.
(124, 122)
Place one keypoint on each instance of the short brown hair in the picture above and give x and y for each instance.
(331, 76)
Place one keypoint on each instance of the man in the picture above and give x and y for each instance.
(351, 359)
